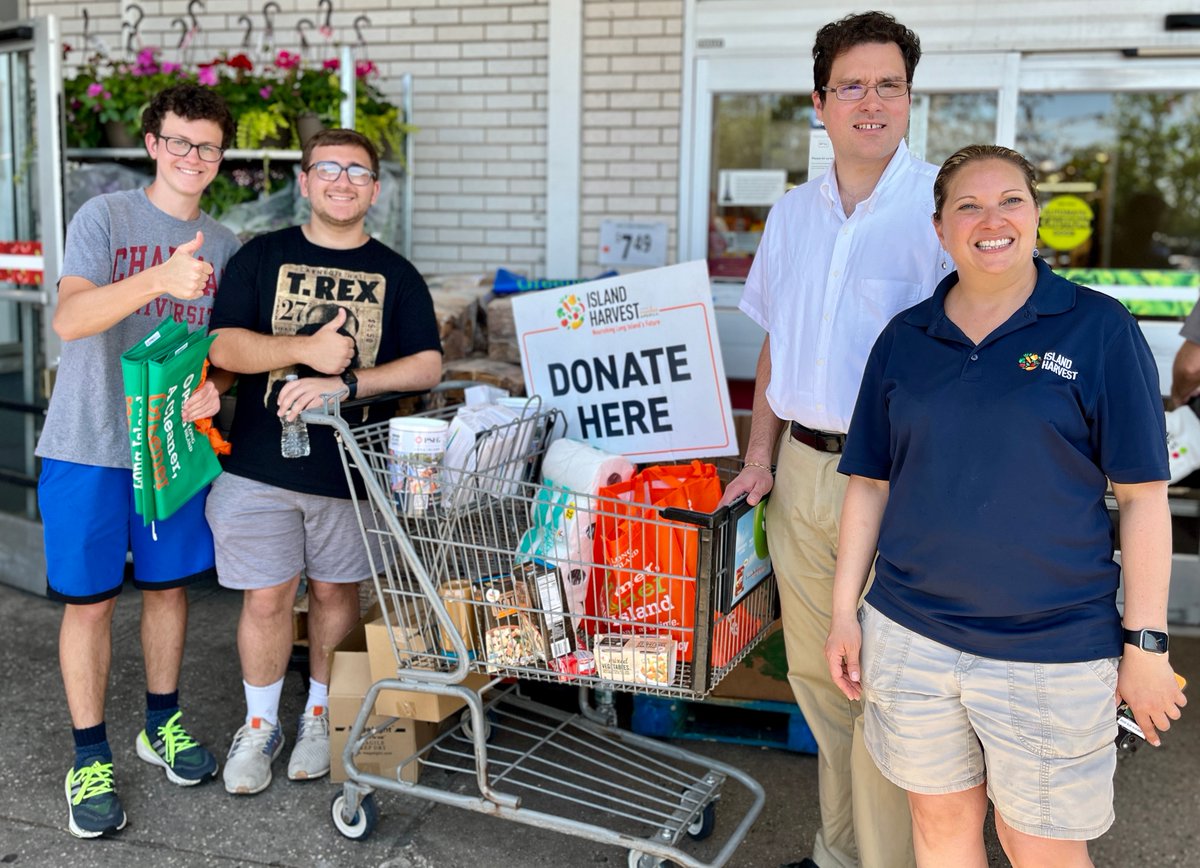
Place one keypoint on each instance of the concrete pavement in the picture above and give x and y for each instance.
(1158, 791)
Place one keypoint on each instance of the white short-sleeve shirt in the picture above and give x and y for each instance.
(824, 285)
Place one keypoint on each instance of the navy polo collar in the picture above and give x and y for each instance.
(1052, 294)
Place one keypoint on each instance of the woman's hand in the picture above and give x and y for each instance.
(1147, 682)
(202, 403)
(841, 652)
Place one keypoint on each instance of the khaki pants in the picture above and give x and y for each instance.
(864, 817)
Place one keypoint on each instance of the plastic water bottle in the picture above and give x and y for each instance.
(294, 441)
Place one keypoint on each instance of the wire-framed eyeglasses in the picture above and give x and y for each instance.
(328, 170)
(855, 92)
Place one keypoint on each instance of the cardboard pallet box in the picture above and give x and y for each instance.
(407, 703)
(762, 674)
(384, 752)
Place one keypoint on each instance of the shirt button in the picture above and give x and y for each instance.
(974, 357)
(820, 406)
(826, 317)
(820, 362)
(835, 273)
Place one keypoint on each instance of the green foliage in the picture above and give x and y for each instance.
(256, 125)
(377, 118)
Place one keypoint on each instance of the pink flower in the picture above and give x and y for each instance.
(287, 60)
(332, 64)
(265, 92)
(207, 75)
(169, 67)
(364, 68)
(95, 89)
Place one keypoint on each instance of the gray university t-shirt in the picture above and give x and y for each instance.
(112, 237)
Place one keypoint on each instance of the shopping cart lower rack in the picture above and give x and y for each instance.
(468, 585)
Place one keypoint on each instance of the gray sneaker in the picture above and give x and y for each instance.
(248, 766)
(310, 756)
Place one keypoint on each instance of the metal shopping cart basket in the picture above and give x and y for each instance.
(463, 591)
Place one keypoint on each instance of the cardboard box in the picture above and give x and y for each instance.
(762, 674)
(406, 703)
(384, 751)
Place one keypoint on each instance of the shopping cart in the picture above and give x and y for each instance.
(463, 590)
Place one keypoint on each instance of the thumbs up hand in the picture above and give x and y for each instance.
(330, 351)
(184, 276)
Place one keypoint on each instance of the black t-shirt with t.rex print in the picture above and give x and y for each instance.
(283, 284)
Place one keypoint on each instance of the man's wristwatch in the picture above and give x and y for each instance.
(351, 380)
(1154, 641)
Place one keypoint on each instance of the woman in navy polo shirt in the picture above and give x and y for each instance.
(991, 419)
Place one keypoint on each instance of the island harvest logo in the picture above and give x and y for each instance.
(1029, 361)
(570, 311)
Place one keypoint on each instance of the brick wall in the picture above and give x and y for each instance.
(631, 93)
(480, 83)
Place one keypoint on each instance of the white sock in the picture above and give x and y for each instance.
(263, 702)
(318, 694)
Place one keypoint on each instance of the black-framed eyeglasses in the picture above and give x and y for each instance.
(328, 170)
(855, 92)
(182, 147)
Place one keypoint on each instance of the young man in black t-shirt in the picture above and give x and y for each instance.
(343, 312)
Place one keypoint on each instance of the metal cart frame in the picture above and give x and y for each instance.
(527, 758)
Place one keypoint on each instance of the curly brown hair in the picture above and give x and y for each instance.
(864, 28)
(191, 102)
(329, 138)
(973, 154)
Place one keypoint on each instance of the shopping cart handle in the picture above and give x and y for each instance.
(690, 516)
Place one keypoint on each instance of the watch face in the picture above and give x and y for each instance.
(1154, 641)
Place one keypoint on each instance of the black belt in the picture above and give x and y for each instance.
(822, 441)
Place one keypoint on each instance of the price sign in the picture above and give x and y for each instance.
(632, 243)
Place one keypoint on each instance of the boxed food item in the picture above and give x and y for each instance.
(456, 596)
(543, 585)
(512, 637)
(648, 660)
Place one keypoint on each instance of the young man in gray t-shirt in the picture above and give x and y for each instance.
(132, 260)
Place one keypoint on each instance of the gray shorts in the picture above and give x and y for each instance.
(1041, 735)
(264, 535)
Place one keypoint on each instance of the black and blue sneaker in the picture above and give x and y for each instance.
(185, 760)
(92, 803)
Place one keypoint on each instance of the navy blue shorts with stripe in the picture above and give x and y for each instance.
(90, 524)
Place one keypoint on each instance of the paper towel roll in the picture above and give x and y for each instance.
(578, 467)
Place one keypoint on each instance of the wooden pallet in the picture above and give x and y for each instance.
(739, 721)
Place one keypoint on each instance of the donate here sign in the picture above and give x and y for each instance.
(632, 361)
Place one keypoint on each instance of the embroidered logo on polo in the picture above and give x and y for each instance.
(1029, 362)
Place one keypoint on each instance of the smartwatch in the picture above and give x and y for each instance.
(1153, 641)
(351, 380)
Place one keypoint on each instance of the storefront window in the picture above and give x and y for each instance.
(1119, 182)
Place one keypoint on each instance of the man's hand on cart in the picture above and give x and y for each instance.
(842, 650)
(754, 481)
(305, 393)
(1147, 683)
(328, 350)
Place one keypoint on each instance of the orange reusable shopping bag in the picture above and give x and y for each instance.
(646, 565)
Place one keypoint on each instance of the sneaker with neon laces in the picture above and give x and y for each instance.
(185, 760)
(248, 767)
(93, 808)
(310, 756)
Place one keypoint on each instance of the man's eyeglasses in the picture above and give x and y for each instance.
(182, 147)
(328, 170)
(855, 92)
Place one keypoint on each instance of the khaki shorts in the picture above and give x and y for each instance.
(1042, 735)
(264, 535)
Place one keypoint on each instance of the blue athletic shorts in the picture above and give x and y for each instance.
(90, 523)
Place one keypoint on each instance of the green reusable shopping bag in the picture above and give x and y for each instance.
(176, 461)
(133, 370)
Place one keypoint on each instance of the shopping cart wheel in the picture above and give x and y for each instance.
(364, 820)
(703, 825)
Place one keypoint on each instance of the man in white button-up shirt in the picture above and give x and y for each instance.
(840, 256)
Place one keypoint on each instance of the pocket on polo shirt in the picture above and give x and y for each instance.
(879, 301)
